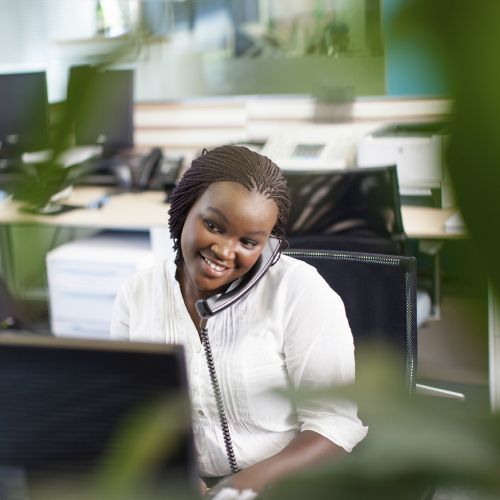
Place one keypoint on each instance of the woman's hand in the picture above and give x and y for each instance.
(227, 490)
(203, 487)
(306, 450)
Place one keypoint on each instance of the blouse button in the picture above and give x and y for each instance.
(200, 412)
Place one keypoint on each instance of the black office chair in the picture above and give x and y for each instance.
(356, 210)
(379, 294)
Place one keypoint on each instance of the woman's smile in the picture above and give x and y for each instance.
(217, 268)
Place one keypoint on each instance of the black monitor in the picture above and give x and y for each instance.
(102, 103)
(62, 402)
(23, 113)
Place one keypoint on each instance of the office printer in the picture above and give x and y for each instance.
(419, 151)
(316, 146)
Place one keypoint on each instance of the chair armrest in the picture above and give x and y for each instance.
(427, 390)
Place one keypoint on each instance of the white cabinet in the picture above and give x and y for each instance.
(84, 277)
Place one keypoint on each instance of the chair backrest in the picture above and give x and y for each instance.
(354, 209)
(379, 294)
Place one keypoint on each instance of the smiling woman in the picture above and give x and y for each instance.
(289, 330)
(222, 239)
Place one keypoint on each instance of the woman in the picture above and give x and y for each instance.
(291, 328)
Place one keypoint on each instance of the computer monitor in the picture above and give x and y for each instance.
(63, 401)
(24, 121)
(102, 103)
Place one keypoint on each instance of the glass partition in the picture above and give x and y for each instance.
(190, 48)
(252, 47)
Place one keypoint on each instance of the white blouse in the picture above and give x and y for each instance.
(290, 328)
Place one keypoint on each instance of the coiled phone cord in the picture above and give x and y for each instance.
(218, 396)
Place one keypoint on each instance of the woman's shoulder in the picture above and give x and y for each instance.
(301, 288)
(289, 271)
(290, 266)
(294, 276)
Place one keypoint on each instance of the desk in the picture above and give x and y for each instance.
(428, 223)
(146, 211)
(130, 211)
(141, 211)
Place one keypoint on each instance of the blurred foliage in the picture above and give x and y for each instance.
(414, 445)
(330, 39)
(467, 39)
(36, 183)
(131, 468)
(322, 34)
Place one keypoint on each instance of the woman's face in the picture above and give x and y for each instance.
(223, 236)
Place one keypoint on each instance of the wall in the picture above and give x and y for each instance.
(413, 67)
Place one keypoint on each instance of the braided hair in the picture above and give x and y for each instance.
(235, 164)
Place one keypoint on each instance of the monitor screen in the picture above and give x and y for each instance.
(102, 105)
(63, 403)
(23, 113)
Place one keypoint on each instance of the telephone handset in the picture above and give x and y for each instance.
(217, 303)
(148, 168)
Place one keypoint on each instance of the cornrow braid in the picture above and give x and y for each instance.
(235, 164)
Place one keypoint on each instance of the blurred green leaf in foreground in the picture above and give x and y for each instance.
(466, 38)
(132, 467)
(414, 444)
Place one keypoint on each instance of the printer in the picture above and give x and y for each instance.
(316, 146)
(419, 152)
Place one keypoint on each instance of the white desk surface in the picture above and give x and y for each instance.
(140, 211)
(134, 211)
(428, 223)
